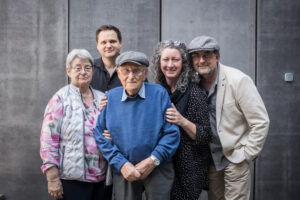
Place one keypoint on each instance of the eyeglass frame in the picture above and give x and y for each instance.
(205, 56)
(88, 69)
(131, 71)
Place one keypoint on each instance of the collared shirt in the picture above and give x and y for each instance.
(220, 161)
(141, 93)
(101, 78)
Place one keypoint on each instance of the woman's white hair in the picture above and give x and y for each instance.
(78, 53)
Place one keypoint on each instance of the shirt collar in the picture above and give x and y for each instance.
(141, 93)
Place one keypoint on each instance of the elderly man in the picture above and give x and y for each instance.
(238, 118)
(143, 142)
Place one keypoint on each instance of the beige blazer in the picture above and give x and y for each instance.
(242, 119)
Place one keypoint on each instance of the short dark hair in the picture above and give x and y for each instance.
(108, 27)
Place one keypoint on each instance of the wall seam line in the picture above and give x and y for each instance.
(256, 64)
(160, 20)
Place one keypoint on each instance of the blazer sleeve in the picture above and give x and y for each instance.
(256, 115)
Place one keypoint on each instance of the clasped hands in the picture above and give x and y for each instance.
(129, 171)
(139, 171)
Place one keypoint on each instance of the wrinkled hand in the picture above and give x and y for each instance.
(103, 103)
(129, 172)
(106, 134)
(145, 167)
(55, 188)
(174, 117)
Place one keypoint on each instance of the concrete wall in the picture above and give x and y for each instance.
(139, 24)
(259, 37)
(138, 21)
(33, 46)
(278, 52)
(231, 22)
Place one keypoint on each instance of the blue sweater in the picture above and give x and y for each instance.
(138, 128)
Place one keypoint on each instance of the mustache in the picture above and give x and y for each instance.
(202, 65)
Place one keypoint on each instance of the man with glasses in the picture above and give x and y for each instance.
(109, 43)
(238, 118)
(143, 142)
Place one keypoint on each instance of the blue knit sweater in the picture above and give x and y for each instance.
(137, 127)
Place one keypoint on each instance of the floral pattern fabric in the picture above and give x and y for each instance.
(50, 139)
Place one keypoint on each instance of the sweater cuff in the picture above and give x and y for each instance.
(157, 156)
(120, 164)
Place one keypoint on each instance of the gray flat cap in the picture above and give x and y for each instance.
(205, 43)
(138, 58)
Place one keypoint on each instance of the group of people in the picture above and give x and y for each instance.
(198, 127)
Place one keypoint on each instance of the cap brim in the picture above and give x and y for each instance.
(135, 62)
(201, 49)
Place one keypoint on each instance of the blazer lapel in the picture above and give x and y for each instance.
(220, 94)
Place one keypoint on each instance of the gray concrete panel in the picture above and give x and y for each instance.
(33, 46)
(138, 21)
(231, 22)
(278, 174)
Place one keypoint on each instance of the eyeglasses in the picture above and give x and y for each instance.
(135, 72)
(205, 55)
(88, 68)
(167, 43)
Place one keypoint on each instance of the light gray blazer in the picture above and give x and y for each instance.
(242, 119)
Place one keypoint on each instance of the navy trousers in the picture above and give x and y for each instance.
(78, 190)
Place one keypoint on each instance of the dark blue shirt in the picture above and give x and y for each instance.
(219, 160)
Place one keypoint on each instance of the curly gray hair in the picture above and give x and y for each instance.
(187, 71)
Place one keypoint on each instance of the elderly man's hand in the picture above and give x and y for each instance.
(145, 167)
(129, 172)
(103, 103)
(107, 135)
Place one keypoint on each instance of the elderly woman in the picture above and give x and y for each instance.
(72, 163)
(171, 68)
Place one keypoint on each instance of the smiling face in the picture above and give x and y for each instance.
(80, 72)
(132, 77)
(171, 63)
(108, 44)
(205, 62)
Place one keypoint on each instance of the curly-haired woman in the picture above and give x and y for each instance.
(171, 68)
